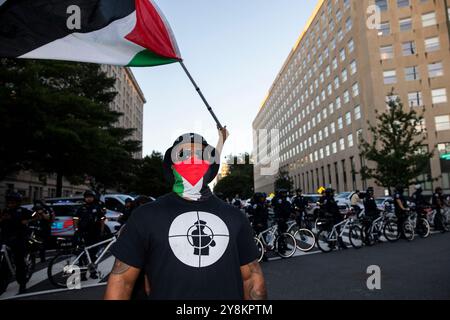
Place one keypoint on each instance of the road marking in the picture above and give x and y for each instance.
(55, 291)
(104, 268)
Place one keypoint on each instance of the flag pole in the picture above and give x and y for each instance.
(219, 126)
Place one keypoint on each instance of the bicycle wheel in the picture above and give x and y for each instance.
(323, 242)
(60, 269)
(356, 237)
(423, 228)
(30, 264)
(305, 240)
(285, 245)
(260, 247)
(408, 231)
(390, 231)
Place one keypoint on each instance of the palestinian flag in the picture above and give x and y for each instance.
(189, 178)
(115, 32)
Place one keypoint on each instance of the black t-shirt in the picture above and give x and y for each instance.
(189, 249)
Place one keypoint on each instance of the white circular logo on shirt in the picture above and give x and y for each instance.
(198, 239)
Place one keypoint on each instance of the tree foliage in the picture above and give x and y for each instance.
(56, 119)
(396, 149)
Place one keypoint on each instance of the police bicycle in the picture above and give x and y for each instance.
(383, 225)
(270, 240)
(304, 238)
(329, 235)
(80, 261)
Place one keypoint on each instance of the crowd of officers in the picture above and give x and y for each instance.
(16, 220)
(286, 208)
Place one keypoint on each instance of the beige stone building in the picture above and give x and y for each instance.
(130, 101)
(339, 72)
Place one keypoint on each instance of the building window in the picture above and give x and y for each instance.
(355, 89)
(415, 99)
(432, 44)
(429, 19)
(442, 123)
(338, 103)
(435, 70)
(402, 3)
(348, 24)
(335, 64)
(348, 118)
(334, 147)
(344, 75)
(382, 4)
(340, 123)
(341, 144)
(351, 46)
(332, 128)
(331, 108)
(342, 54)
(387, 52)
(439, 96)
(353, 67)
(405, 24)
(409, 48)
(346, 97)
(390, 77)
(412, 73)
(357, 112)
(336, 83)
(384, 29)
(350, 140)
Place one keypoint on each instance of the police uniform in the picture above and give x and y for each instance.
(89, 221)
(14, 234)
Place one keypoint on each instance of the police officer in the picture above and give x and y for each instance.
(419, 200)
(13, 223)
(282, 209)
(438, 202)
(89, 222)
(299, 203)
(401, 208)
(331, 209)
(44, 216)
(371, 210)
(259, 212)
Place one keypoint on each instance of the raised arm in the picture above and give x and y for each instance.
(223, 136)
(121, 281)
(253, 281)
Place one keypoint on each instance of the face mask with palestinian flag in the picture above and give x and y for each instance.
(191, 175)
(116, 32)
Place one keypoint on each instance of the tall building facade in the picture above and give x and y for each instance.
(130, 101)
(339, 73)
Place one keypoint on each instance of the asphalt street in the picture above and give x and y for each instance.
(409, 270)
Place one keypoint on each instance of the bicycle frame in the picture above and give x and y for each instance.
(272, 231)
(333, 236)
(111, 241)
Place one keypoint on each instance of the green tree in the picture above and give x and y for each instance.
(396, 147)
(283, 181)
(58, 120)
(238, 181)
(149, 176)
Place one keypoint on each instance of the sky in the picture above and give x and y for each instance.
(234, 50)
